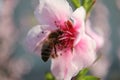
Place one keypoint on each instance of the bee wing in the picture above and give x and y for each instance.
(38, 46)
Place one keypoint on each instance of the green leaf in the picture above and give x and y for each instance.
(84, 71)
(87, 4)
(81, 74)
(49, 76)
(91, 78)
(76, 3)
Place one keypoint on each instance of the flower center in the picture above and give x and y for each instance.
(66, 39)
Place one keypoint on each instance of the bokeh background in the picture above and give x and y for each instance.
(17, 63)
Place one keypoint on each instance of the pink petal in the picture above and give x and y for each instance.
(98, 38)
(79, 18)
(79, 14)
(35, 36)
(50, 11)
(62, 68)
(84, 52)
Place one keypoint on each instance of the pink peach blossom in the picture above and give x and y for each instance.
(76, 49)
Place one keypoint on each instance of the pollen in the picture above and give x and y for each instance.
(66, 40)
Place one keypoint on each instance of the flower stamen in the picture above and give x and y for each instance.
(67, 38)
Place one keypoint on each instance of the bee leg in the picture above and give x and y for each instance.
(72, 49)
(55, 51)
(54, 55)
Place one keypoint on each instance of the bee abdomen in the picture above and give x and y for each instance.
(46, 51)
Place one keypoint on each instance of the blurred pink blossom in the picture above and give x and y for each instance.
(100, 25)
(98, 38)
(10, 69)
(118, 4)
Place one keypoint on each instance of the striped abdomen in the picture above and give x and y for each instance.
(46, 50)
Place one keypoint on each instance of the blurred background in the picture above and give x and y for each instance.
(17, 17)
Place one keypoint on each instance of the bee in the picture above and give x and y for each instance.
(48, 48)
